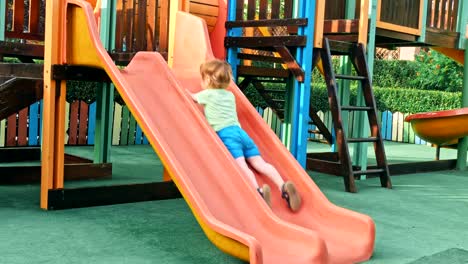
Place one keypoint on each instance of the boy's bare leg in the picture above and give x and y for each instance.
(260, 165)
(247, 172)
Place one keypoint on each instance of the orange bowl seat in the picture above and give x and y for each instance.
(440, 127)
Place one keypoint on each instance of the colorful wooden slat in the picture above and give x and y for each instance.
(2, 132)
(74, 117)
(394, 122)
(67, 121)
(125, 123)
(83, 123)
(33, 125)
(406, 128)
(401, 128)
(22, 136)
(131, 130)
(91, 123)
(41, 110)
(116, 128)
(251, 9)
(11, 130)
(138, 135)
(263, 9)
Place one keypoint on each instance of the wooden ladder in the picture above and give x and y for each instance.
(340, 163)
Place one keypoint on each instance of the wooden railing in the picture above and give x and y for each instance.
(400, 15)
(277, 9)
(24, 20)
(443, 14)
(142, 25)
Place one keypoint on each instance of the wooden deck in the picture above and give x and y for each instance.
(399, 23)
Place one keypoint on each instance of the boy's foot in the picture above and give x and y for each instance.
(265, 192)
(290, 194)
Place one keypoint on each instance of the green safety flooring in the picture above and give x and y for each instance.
(422, 220)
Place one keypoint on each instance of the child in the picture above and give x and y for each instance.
(221, 114)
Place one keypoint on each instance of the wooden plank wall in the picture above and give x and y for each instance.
(400, 12)
(23, 20)
(142, 25)
(335, 9)
(206, 9)
(443, 14)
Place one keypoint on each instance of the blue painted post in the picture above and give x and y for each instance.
(301, 91)
(91, 123)
(233, 32)
(138, 135)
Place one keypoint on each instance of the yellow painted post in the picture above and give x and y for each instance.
(50, 148)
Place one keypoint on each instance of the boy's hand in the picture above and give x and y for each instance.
(191, 95)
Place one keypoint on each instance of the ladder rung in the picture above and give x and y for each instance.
(315, 131)
(273, 91)
(269, 81)
(278, 100)
(356, 108)
(358, 140)
(350, 77)
(373, 171)
(323, 141)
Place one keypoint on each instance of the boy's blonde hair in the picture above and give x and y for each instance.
(217, 72)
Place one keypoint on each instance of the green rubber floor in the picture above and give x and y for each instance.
(422, 220)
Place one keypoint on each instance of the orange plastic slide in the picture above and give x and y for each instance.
(230, 211)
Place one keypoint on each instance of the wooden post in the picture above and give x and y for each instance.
(105, 95)
(463, 143)
(319, 22)
(52, 141)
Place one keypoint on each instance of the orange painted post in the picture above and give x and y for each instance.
(166, 176)
(59, 143)
(319, 22)
(50, 165)
(363, 22)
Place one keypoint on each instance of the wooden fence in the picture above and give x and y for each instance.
(24, 127)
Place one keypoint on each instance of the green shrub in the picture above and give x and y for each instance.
(435, 71)
(394, 73)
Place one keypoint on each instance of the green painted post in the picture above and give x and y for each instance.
(288, 115)
(2, 19)
(344, 86)
(361, 126)
(105, 96)
(462, 21)
(463, 143)
(422, 38)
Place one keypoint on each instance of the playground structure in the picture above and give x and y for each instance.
(86, 56)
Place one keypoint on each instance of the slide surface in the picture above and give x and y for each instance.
(230, 211)
(440, 127)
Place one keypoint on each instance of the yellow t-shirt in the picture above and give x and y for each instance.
(220, 107)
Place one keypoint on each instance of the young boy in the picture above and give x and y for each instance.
(221, 114)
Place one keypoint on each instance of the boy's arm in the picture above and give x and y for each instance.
(194, 96)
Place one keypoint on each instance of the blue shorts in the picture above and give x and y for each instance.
(238, 142)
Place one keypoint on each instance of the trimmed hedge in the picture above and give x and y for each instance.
(396, 99)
